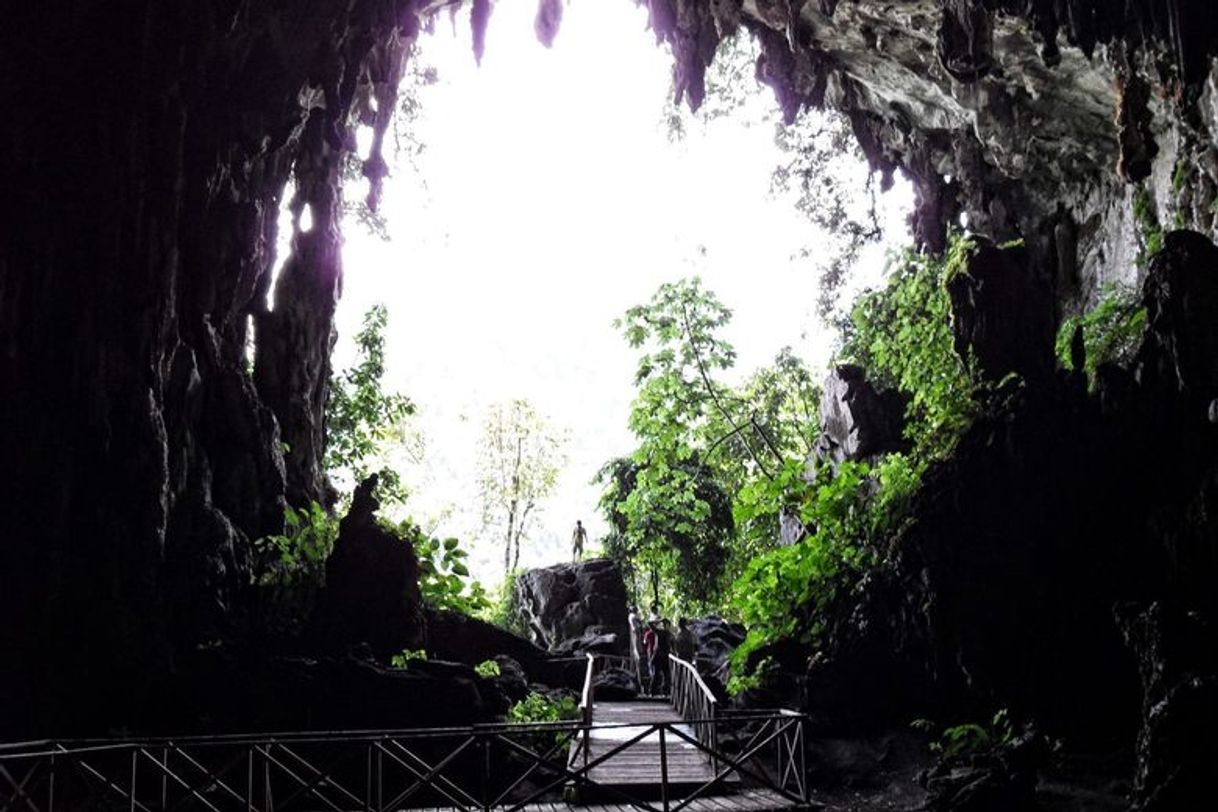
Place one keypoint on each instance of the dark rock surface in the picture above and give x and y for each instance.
(463, 639)
(576, 608)
(857, 422)
(716, 639)
(1003, 314)
(1177, 655)
(1056, 505)
(249, 691)
(615, 685)
(372, 585)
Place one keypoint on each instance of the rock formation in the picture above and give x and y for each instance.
(857, 422)
(575, 608)
(371, 595)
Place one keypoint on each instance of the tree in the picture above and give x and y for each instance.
(519, 459)
(702, 443)
(362, 419)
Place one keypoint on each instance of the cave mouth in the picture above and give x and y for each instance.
(533, 196)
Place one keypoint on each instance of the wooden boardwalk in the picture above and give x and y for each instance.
(639, 764)
(750, 800)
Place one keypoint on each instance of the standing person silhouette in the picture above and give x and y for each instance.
(660, 682)
(578, 539)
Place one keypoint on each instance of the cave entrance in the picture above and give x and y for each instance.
(535, 197)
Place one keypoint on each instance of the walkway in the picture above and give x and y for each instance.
(641, 764)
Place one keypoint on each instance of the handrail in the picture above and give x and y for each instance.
(587, 696)
(479, 768)
(695, 702)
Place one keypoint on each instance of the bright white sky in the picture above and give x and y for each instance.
(550, 200)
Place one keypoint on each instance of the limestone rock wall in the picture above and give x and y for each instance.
(145, 158)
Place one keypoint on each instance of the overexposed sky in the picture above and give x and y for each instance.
(549, 199)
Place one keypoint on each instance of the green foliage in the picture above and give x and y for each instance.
(902, 336)
(673, 521)
(1112, 330)
(1145, 216)
(969, 738)
(504, 610)
(290, 568)
(787, 592)
(404, 658)
(487, 669)
(538, 707)
(671, 516)
(444, 577)
(746, 681)
(361, 417)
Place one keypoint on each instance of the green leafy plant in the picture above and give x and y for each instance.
(787, 592)
(1147, 219)
(538, 707)
(444, 577)
(969, 738)
(504, 610)
(901, 335)
(362, 418)
(1112, 330)
(406, 656)
(487, 669)
(289, 568)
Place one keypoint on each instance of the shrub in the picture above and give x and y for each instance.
(1112, 331)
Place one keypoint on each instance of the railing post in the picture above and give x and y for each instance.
(806, 794)
(486, 774)
(135, 760)
(663, 768)
(51, 787)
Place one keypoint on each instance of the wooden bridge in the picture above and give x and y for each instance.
(681, 755)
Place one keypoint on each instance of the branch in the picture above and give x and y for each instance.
(710, 388)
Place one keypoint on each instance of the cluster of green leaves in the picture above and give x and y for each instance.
(290, 568)
(719, 469)
(700, 440)
(670, 517)
(487, 669)
(969, 738)
(789, 591)
(444, 577)
(538, 707)
(407, 655)
(504, 609)
(361, 417)
(1147, 218)
(1112, 331)
(901, 335)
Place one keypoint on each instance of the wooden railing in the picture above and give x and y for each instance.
(694, 701)
(501, 767)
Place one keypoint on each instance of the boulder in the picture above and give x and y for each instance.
(221, 691)
(716, 639)
(615, 685)
(857, 421)
(1179, 355)
(463, 639)
(372, 585)
(1002, 313)
(576, 608)
(1177, 656)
